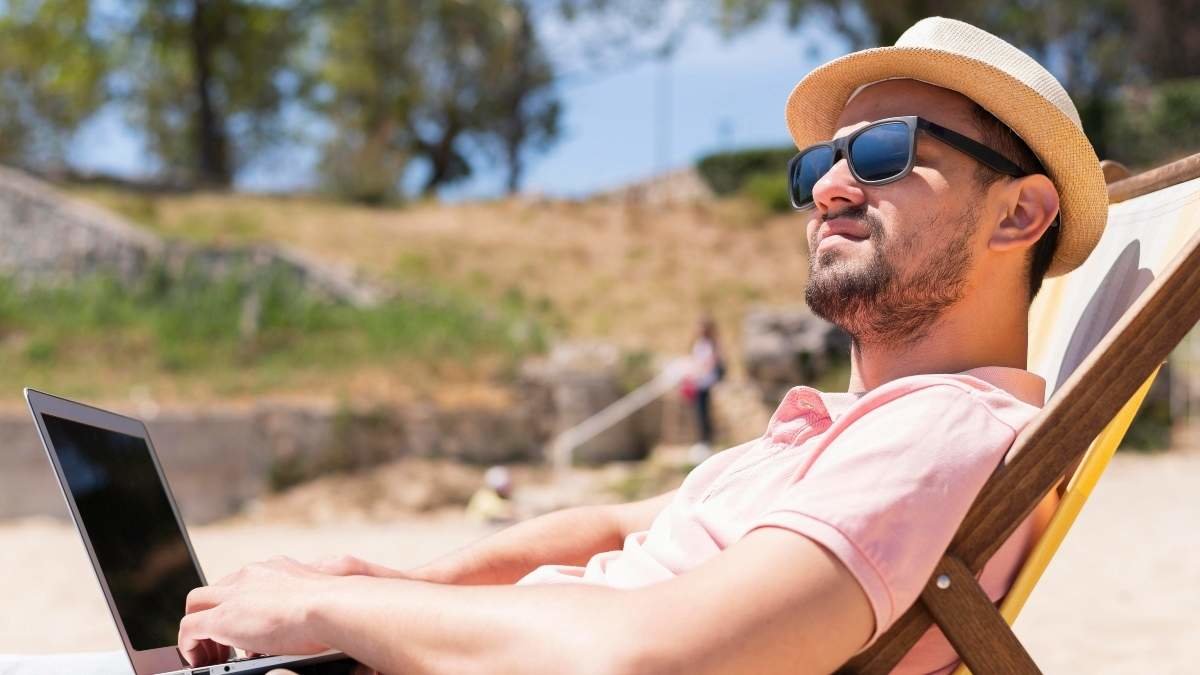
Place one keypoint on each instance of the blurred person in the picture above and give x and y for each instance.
(492, 503)
(938, 181)
(706, 369)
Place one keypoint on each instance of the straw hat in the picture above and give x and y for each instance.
(999, 77)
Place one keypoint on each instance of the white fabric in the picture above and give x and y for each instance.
(704, 363)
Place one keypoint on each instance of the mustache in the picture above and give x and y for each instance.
(853, 212)
(860, 213)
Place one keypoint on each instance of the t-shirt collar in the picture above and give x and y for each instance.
(1022, 384)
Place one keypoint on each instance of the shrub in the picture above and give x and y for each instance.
(770, 191)
(727, 172)
(1155, 124)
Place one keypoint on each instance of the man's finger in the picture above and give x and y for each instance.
(194, 644)
(215, 652)
(231, 577)
(282, 562)
(341, 565)
(202, 598)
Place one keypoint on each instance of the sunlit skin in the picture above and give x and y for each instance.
(988, 326)
(461, 614)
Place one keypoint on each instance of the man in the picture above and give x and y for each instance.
(957, 177)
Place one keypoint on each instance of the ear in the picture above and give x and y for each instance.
(1029, 204)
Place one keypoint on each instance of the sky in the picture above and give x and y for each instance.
(713, 94)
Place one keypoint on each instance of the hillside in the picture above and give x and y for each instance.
(618, 270)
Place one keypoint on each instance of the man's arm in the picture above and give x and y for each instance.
(775, 601)
(566, 537)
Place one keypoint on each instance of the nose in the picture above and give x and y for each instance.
(837, 189)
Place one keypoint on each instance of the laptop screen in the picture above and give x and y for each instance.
(133, 531)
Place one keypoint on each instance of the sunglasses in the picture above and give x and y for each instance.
(880, 153)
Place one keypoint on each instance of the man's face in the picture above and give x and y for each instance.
(886, 261)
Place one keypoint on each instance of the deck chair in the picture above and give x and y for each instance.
(1098, 335)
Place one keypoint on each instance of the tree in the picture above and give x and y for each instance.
(452, 57)
(1102, 51)
(52, 74)
(367, 89)
(206, 81)
(431, 84)
(525, 107)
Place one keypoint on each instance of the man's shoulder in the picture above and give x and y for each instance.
(933, 394)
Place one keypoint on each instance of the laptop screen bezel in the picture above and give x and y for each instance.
(147, 661)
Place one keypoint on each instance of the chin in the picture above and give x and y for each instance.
(834, 262)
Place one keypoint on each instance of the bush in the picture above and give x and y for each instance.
(770, 191)
(1156, 124)
(727, 172)
(362, 172)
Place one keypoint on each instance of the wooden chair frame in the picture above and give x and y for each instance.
(1043, 453)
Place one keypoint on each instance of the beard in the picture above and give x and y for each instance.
(877, 303)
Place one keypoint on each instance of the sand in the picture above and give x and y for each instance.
(1121, 596)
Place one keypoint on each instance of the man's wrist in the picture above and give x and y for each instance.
(321, 608)
(432, 573)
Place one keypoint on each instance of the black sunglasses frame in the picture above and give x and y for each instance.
(841, 148)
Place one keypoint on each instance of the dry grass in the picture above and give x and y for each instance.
(635, 275)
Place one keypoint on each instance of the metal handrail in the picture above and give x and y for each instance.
(562, 447)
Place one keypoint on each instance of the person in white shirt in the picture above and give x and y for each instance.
(707, 369)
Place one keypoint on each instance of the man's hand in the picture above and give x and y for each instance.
(261, 608)
(348, 566)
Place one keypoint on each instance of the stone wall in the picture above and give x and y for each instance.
(218, 458)
(577, 380)
(783, 347)
(47, 237)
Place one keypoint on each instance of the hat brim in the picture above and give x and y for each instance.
(1064, 150)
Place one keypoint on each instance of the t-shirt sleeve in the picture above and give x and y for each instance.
(890, 489)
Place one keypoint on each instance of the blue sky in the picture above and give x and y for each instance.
(714, 93)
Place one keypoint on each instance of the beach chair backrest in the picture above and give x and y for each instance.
(1073, 313)
(1099, 336)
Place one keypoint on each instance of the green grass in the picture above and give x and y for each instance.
(262, 332)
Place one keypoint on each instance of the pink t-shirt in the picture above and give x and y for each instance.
(881, 479)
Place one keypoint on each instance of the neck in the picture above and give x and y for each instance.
(968, 335)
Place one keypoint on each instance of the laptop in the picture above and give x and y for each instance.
(118, 497)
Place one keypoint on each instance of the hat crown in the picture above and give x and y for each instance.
(963, 39)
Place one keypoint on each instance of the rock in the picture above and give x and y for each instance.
(49, 238)
(576, 381)
(783, 348)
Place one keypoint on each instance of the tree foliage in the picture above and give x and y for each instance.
(1110, 56)
(52, 73)
(206, 80)
(425, 93)
(435, 86)
(435, 83)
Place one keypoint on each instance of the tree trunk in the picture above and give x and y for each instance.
(439, 158)
(211, 144)
(517, 132)
(516, 169)
(442, 159)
